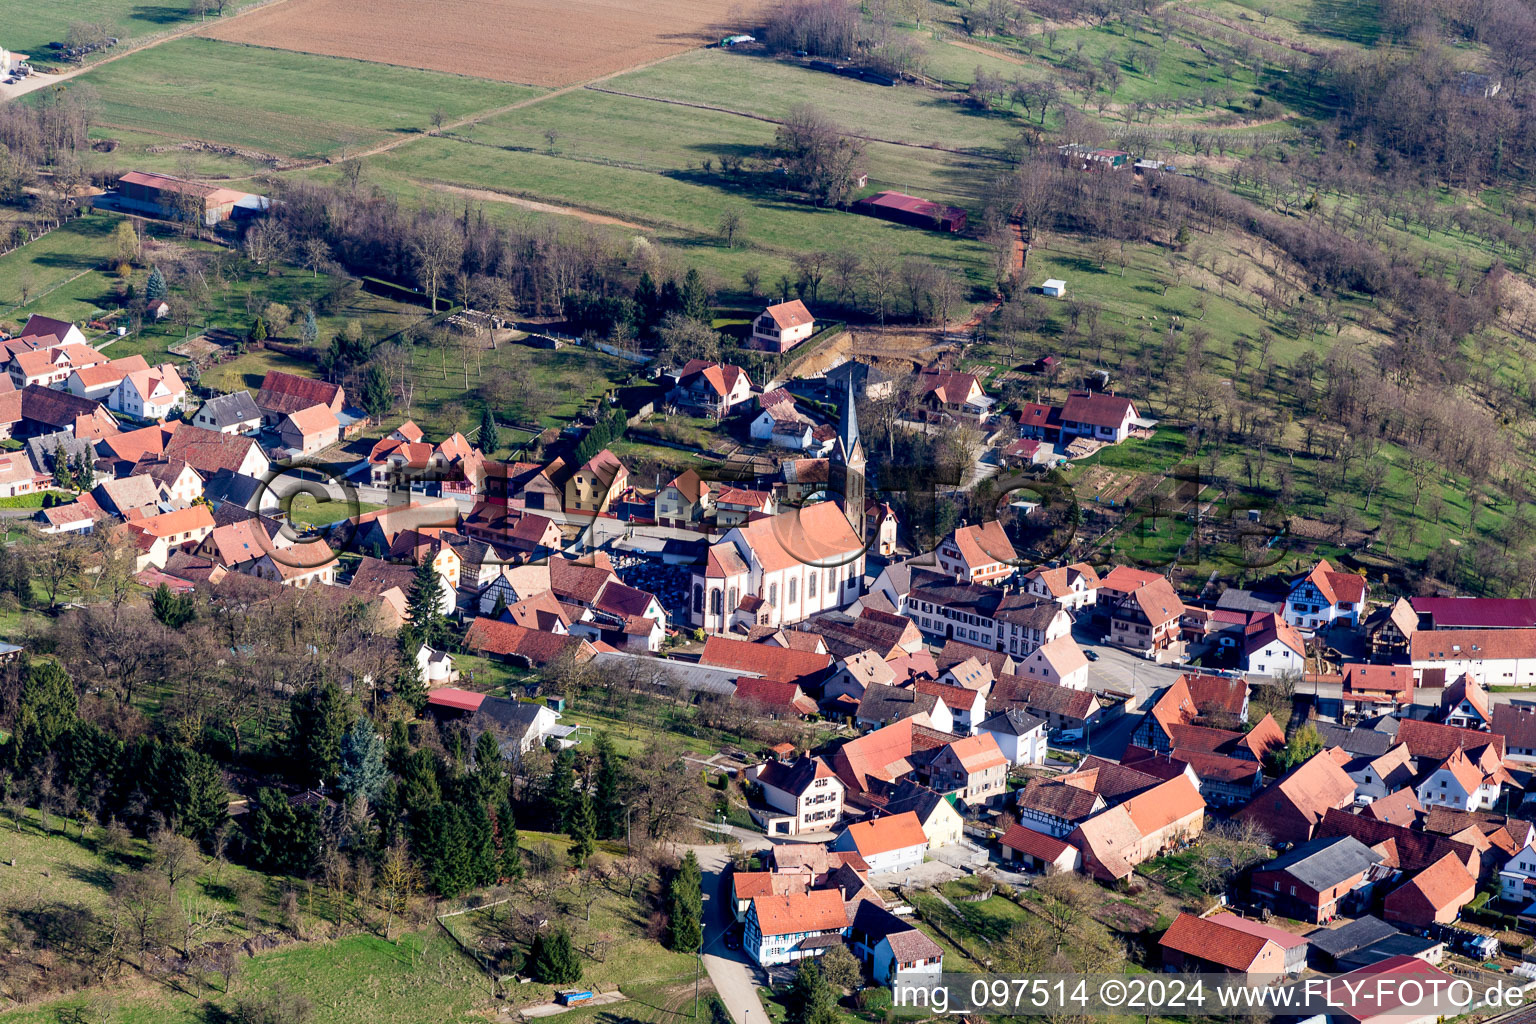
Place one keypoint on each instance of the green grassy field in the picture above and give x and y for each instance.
(30, 27)
(64, 257)
(288, 104)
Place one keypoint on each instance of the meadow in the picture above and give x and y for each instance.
(70, 254)
(30, 27)
(287, 105)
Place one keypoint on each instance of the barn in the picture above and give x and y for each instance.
(905, 209)
(161, 195)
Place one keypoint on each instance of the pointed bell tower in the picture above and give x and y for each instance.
(846, 467)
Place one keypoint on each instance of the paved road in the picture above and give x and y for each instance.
(732, 974)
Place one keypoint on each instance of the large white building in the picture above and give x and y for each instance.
(1493, 657)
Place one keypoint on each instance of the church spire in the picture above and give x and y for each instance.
(848, 425)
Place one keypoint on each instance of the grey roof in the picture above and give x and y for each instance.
(511, 717)
(900, 573)
(909, 796)
(231, 409)
(1358, 934)
(1324, 863)
(1392, 945)
(41, 449)
(861, 375)
(885, 704)
(227, 489)
(1012, 722)
(848, 426)
(1367, 743)
(689, 675)
(1236, 600)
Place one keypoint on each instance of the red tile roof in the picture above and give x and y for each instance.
(882, 835)
(453, 697)
(820, 910)
(766, 660)
(1214, 942)
(1036, 844)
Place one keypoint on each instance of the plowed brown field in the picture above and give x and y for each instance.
(536, 42)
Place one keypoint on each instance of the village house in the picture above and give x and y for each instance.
(308, 430)
(737, 505)
(50, 367)
(711, 388)
(772, 699)
(936, 813)
(1317, 880)
(782, 326)
(973, 769)
(17, 476)
(1222, 944)
(685, 501)
(872, 764)
(1036, 851)
(1056, 807)
(992, 618)
(176, 482)
(1064, 709)
(1272, 646)
(781, 423)
(868, 382)
(1146, 825)
(1371, 690)
(1020, 735)
(889, 844)
(1147, 619)
(283, 393)
(1074, 586)
(1517, 724)
(518, 726)
(1325, 596)
(979, 553)
(1464, 704)
(967, 707)
(1432, 896)
(1101, 417)
(1463, 784)
(1193, 699)
(301, 565)
(783, 929)
(36, 409)
(1290, 808)
(234, 413)
(1517, 878)
(807, 795)
(1389, 628)
(893, 948)
(596, 486)
(100, 382)
(41, 332)
(882, 705)
(1413, 849)
(151, 394)
(1495, 657)
(503, 641)
(949, 392)
(881, 527)
(1059, 661)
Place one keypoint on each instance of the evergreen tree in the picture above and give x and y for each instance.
(647, 302)
(362, 762)
(419, 786)
(84, 473)
(695, 297)
(608, 785)
(490, 434)
(671, 300)
(483, 860)
(552, 959)
(490, 770)
(318, 718)
(47, 708)
(685, 907)
(510, 863)
(425, 610)
(309, 330)
(811, 1000)
(583, 830)
(174, 610)
(281, 838)
(185, 787)
(61, 470)
(501, 605)
(259, 330)
(154, 288)
(560, 791)
(377, 398)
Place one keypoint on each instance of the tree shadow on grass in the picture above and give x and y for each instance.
(96, 876)
(159, 14)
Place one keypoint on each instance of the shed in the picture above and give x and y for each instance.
(1055, 288)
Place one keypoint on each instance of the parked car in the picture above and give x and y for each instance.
(1091, 654)
(1069, 736)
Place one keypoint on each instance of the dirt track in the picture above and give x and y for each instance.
(491, 196)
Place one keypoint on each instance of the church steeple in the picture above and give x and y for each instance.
(848, 428)
(846, 467)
